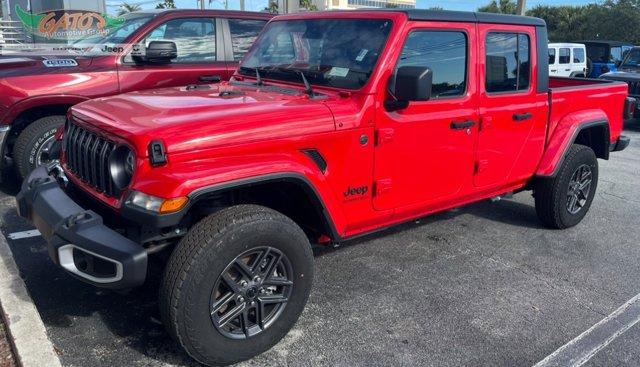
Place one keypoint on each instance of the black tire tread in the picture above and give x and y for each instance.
(27, 136)
(547, 190)
(190, 248)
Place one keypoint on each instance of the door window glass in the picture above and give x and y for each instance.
(578, 55)
(195, 38)
(552, 56)
(565, 56)
(445, 53)
(243, 33)
(616, 54)
(508, 66)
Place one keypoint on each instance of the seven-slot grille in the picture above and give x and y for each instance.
(634, 88)
(87, 157)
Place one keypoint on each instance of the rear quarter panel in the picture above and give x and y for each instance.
(573, 103)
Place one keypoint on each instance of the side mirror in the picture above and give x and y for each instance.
(412, 83)
(161, 52)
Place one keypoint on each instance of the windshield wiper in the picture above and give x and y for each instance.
(259, 81)
(307, 85)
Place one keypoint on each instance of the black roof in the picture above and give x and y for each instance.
(470, 17)
(607, 42)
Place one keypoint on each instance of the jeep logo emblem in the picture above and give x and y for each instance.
(356, 191)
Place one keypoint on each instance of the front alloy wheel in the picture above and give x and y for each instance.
(236, 284)
(251, 293)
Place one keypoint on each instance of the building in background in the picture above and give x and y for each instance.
(12, 30)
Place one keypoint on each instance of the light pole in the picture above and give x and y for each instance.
(521, 8)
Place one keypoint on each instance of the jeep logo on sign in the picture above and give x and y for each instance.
(356, 191)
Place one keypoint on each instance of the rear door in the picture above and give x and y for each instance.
(424, 153)
(513, 114)
(553, 58)
(200, 60)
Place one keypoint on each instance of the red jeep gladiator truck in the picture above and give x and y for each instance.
(336, 124)
(36, 92)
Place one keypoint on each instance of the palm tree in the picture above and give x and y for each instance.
(128, 8)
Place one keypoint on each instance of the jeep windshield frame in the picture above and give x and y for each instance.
(335, 53)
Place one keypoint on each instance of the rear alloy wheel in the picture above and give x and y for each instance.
(563, 200)
(236, 284)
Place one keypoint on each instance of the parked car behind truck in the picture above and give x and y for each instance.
(629, 72)
(336, 124)
(604, 56)
(35, 92)
(568, 60)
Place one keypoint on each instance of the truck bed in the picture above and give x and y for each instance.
(596, 97)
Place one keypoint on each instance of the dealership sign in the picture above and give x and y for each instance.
(68, 24)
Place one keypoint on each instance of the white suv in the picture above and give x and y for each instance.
(568, 60)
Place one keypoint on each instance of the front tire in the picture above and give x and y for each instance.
(562, 201)
(32, 146)
(236, 284)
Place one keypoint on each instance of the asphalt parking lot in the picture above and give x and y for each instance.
(481, 285)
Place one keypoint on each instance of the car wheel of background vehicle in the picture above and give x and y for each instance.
(563, 201)
(33, 144)
(236, 284)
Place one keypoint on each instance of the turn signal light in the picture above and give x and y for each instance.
(173, 205)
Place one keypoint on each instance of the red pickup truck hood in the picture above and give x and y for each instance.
(193, 119)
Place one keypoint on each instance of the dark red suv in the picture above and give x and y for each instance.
(36, 92)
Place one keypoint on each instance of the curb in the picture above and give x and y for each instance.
(26, 330)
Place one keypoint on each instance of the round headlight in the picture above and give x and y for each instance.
(121, 166)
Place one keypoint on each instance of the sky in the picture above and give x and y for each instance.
(464, 5)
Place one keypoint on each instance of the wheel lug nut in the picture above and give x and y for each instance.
(240, 299)
(253, 303)
(243, 283)
(262, 290)
(257, 279)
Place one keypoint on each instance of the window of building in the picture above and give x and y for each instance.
(508, 62)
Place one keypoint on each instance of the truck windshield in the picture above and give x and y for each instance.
(632, 59)
(340, 53)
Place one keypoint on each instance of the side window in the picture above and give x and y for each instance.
(616, 54)
(243, 33)
(565, 56)
(552, 56)
(445, 53)
(508, 62)
(195, 38)
(578, 56)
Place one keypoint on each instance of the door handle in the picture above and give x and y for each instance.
(210, 78)
(522, 116)
(461, 125)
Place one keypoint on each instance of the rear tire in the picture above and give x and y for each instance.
(562, 201)
(207, 258)
(30, 148)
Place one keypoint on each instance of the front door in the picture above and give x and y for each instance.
(200, 58)
(513, 115)
(424, 153)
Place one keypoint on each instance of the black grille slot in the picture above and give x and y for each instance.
(634, 88)
(87, 156)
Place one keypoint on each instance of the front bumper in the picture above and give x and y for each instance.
(77, 239)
